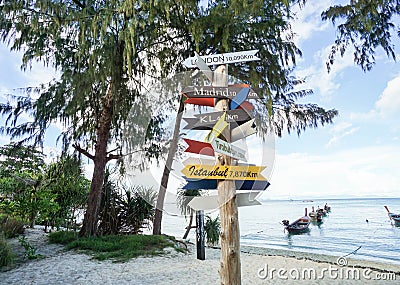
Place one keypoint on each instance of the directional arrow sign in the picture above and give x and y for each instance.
(207, 161)
(213, 183)
(211, 202)
(251, 184)
(223, 58)
(196, 171)
(207, 121)
(223, 147)
(210, 102)
(203, 67)
(199, 147)
(239, 98)
(218, 128)
(243, 131)
(201, 184)
(229, 92)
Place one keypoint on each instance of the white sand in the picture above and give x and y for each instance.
(69, 267)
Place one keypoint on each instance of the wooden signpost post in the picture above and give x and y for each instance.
(225, 175)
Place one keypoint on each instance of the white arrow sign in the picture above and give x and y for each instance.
(243, 131)
(207, 161)
(211, 202)
(204, 67)
(224, 147)
(223, 58)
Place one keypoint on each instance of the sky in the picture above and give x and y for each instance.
(356, 156)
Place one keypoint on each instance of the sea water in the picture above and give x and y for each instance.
(359, 228)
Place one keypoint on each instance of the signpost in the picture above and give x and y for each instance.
(240, 97)
(229, 92)
(199, 147)
(218, 128)
(223, 58)
(211, 202)
(225, 148)
(207, 161)
(207, 121)
(198, 171)
(223, 176)
(212, 184)
(210, 103)
(243, 131)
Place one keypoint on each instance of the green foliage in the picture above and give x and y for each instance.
(183, 199)
(117, 247)
(6, 255)
(11, 227)
(21, 177)
(365, 25)
(63, 237)
(212, 228)
(125, 209)
(30, 250)
(65, 179)
(32, 191)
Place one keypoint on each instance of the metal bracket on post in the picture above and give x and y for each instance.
(200, 235)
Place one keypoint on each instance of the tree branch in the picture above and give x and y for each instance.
(79, 3)
(83, 151)
(113, 156)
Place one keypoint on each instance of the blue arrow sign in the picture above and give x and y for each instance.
(201, 184)
(239, 98)
(213, 184)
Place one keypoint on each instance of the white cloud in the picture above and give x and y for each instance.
(317, 76)
(340, 131)
(389, 101)
(364, 172)
(308, 20)
(387, 106)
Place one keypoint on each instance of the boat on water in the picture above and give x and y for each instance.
(301, 225)
(315, 216)
(394, 217)
(327, 208)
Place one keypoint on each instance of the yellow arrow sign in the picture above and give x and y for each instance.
(219, 126)
(245, 172)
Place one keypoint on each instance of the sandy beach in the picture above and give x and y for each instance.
(259, 266)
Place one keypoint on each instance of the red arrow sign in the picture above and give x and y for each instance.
(210, 102)
(199, 147)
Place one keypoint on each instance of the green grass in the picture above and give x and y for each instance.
(6, 255)
(117, 247)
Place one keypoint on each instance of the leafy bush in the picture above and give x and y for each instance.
(212, 228)
(11, 227)
(30, 250)
(117, 247)
(6, 256)
(125, 209)
(63, 237)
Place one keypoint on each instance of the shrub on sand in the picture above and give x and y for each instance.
(6, 256)
(11, 227)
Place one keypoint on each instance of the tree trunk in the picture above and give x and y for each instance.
(189, 227)
(230, 268)
(90, 221)
(167, 169)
